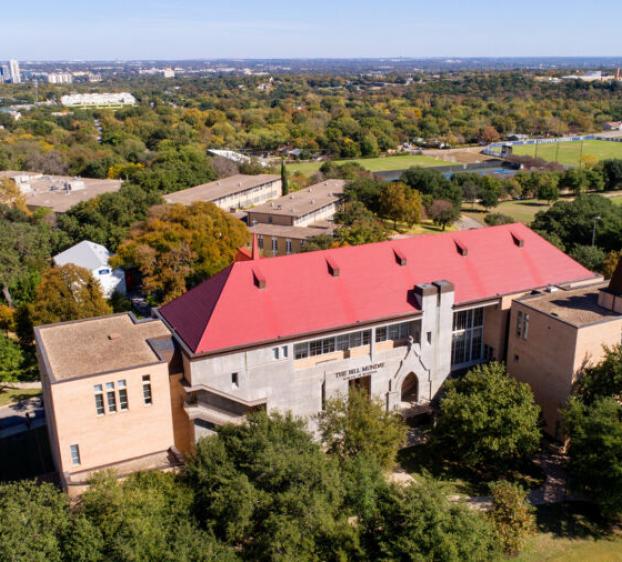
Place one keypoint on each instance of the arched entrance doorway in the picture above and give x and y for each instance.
(410, 389)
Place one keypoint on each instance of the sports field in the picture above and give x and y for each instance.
(374, 164)
(570, 153)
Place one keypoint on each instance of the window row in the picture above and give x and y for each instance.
(522, 324)
(329, 345)
(401, 331)
(112, 397)
(467, 319)
(467, 346)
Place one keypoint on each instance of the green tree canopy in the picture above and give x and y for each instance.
(267, 488)
(359, 425)
(488, 420)
(595, 451)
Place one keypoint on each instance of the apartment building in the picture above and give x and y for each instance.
(395, 318)
(233, 193)
(310, 205)
(280, 240)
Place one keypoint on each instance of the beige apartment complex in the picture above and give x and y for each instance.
(287, 333)
(279, 240)
(233, 193)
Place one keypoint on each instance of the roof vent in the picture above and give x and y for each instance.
(400, 258)
(333, 268)
(518, 240)
(461, 248)
(114, 336)
(259, 279)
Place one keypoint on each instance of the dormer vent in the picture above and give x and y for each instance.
(333, 268)
(259, 279)
(461, 248)
(400, 258)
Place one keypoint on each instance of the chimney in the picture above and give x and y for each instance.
(255, 254)
(333, 268)
(611, 296)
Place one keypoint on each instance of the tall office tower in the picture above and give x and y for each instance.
(15, 74)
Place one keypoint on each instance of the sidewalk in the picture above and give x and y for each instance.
(21, 416)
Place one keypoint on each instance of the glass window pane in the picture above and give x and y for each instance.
(478, 317)
(123, 399)
(355, 339)
(328, 345)
(301, 350)
(381, 334)
(366, 337)
(394, 332)
(343, 342)
(112, 401)
(315, 347)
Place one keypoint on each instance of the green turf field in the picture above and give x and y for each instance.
(569, 153)
(374, 164)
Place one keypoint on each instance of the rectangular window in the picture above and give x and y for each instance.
(75, 454)
(111, 397)
(275, 247)
(467, 338)
(284, 352)
(343, 342)
(315, 348)
(123, 404)
(355, 339)
(260, 241)
(147, 397)
(525, 326)
(381, 334)
(275, 353)
(366, 337)
(99, 399)
(519, 323)
(328, 345)
(235, 380)
(288, 246)
(301, 350)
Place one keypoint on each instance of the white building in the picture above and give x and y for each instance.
(16, 76)
(95, 258)
(98, 100)
(59, 78)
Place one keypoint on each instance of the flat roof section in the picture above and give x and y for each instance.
(59, 193)
(578, 307)
(218, 189)
(305, 201)
(294, 232)
(98, 345)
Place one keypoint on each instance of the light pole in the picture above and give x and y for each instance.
(596, 219)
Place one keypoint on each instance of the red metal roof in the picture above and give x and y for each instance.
(252, 302)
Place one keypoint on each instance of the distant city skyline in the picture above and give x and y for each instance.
(194, 29)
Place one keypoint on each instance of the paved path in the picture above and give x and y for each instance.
(21, 416)
(467, 223)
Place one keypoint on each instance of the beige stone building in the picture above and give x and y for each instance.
(554, 334)
(278, 240)
(112, 397)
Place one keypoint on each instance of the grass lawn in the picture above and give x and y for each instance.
(569, 533)
(425, 227)
(568, 153)
(522, 211)
(374, 164)
(15, 395)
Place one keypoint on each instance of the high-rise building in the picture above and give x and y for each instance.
(16, 77)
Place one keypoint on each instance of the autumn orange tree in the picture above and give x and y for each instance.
(178, 246)
(67, 293)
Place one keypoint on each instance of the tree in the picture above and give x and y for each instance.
(603, 380)
(442, 212)
(268, 489)
(591, 257)
(146, 517)
(512, 515)
(359, 425)
(612, 173)
(178, 246)
(367, 191)
(489, 194)
(595, 451)
(319, 242)
(417, 522)
(488, 420)
(68, 293)
(494, 219)
(284, 182)
(35, 519)
(399, 203)
(11, 196)
(611, 261)
(547, 187)
(11, 359)
(24, 250)
(575, 222)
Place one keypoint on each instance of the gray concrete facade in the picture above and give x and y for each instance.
(223, 387)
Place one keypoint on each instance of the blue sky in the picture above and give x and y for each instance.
(108, 29)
